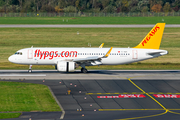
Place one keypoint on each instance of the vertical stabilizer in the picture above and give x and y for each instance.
(153, 38)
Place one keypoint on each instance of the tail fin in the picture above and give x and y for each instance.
(153, 38)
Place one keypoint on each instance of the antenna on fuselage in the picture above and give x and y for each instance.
(31, 46)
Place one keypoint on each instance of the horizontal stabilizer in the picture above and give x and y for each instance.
(162, 52)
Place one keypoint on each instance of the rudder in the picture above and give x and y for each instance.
(153, 38)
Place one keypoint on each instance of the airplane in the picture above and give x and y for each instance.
(68, 59)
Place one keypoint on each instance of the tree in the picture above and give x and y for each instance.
(124, 6)
(143, 5)
(152, 3)
(58, 9)
(77, 3)
(145, 9)
(70, 9)
(2, 3)
(167, 7)
(133, 6)
(110, 9)
(176, 5)
(156, 8)
(105, 3)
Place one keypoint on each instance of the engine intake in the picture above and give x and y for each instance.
(66, 66)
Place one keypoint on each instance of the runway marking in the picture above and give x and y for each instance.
(113, 93)
(166, 110)
(174, 112)
(133, 109)
(147, 94)
(128, 93)
(144, 116)
(123, 96)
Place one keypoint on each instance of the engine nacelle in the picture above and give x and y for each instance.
(66, 66)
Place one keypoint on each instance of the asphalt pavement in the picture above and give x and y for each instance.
(82, 103)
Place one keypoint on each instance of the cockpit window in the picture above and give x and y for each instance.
(18, 53)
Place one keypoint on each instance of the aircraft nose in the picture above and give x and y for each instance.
(11, 59)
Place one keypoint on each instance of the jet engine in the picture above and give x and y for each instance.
(66, 66)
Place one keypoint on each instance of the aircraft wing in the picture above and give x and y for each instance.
(93, 58)
(86, 59)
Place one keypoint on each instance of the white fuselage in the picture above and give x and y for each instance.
(51, 56)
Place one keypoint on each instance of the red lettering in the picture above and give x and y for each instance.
(153, 31)
(46, 54)
(41, 54)
(148, 37)
(56, 54)
(157, 27)
(166, 96)
(36, 53)
(62, 53)
(51, 54)
(66, 53)
(73, 54)
(144, 42)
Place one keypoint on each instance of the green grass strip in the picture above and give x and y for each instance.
(16, 96)
(90, 20)
(9, 115)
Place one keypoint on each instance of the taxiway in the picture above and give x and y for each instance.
(83, 103)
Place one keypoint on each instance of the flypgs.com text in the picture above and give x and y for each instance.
(52, 54)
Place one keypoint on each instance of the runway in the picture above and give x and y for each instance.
(92, 74)
(110, 99)
(85, 26)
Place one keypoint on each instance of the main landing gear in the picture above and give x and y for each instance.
(30, 69)
(84, 70)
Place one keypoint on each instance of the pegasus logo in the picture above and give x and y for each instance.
(152, 33)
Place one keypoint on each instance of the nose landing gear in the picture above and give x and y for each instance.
(30, 69)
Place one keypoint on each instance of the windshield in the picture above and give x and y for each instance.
(18, 53)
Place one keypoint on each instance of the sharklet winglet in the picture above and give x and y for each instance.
(108, 53)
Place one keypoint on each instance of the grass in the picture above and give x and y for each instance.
(17, 97)
(13, 39)
(89, 20)
(9, 115)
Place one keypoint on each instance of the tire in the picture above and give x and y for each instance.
(84, 70)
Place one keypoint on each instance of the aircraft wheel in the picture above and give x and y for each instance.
(29, 71)
(83, 70)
